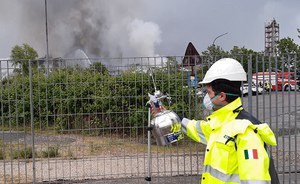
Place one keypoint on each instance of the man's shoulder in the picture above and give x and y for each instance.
(246, 115)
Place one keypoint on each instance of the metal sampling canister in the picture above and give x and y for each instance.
(166, 127)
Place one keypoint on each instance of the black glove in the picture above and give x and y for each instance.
(180, 116)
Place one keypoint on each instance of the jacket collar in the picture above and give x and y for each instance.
(225, 114)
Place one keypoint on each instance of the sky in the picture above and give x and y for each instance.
(134, 28)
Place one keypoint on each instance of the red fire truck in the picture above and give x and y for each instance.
(280, 80)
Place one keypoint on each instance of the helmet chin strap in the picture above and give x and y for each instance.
(231, 94)
(218, 106)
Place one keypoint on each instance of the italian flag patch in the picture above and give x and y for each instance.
(251, 154)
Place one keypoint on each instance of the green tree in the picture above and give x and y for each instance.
(213, 53)
(243, 54)
(287, 46)
(99, 67)
(172, 65)
(21, 54)
(241, 51)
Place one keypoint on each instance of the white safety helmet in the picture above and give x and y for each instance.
(225, 68)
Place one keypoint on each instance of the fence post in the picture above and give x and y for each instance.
(250, 84)
(31, 119)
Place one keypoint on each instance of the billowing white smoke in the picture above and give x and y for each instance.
(143, 36)
(100, 28)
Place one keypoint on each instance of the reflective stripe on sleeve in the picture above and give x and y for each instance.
(193, 130)
(231, 177)
(200, 133)
(184, 124)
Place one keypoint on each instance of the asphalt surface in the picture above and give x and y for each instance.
(18, 136)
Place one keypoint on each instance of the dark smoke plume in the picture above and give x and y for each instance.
(101, 28)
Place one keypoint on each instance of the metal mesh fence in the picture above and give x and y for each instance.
(71, 120)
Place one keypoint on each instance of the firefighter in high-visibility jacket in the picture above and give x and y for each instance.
(237, 143)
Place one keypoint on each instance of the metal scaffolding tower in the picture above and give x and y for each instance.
(271, 38)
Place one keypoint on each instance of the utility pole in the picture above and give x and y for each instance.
(214, 48)
(219, 37)
(47, 45)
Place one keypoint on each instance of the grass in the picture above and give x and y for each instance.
(87, 145)
(125, 146)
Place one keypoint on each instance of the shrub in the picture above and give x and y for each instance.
(76, 99)
(50, 152)
(24, 153)
(2, 155)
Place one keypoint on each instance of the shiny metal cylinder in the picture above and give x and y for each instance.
(166, 127)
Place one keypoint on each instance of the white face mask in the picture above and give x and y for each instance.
(207, 102)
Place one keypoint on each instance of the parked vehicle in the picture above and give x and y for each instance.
(254, 88)
(277, 80)
(291, 75)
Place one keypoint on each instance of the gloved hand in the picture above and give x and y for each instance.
(181, 117)
(155, 110)
(155, 105)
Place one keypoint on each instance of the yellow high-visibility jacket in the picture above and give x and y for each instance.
(235, 151)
